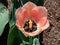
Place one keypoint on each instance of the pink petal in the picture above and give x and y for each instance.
(39, 14)
(26, 34)
(23, 13)
(36, 13)
(45, 26)
(32, 33)
(29, 5)
(43, 14)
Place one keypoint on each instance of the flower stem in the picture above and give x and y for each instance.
(21, 2)
(30, 40)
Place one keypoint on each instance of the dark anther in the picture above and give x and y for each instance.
(26, 26)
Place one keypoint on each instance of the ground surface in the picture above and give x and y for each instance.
(51, 36)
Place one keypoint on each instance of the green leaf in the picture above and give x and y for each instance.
(4, 17)
(13, 36)
(24, 39)
(36, 41)
(14, 5)
(37, 2)
(12, 16)
(40, 2)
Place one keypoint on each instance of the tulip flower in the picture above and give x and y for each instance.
(31, 19)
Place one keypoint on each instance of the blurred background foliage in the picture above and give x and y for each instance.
(4, 25)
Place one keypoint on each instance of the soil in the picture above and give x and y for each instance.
(51, 36)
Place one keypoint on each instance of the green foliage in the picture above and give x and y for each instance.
(37, 2)
(4, 17)
(13, 37)
(16, 37)
(36, 41)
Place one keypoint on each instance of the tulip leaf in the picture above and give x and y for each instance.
(14, 6)
(36, 41)
(13, 36)
(37, 2)
(40, 2)
(12, 16)
(4, 17)
(24, 39)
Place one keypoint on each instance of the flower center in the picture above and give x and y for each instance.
(30, 26)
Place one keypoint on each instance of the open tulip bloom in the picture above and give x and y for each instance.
(31, 19)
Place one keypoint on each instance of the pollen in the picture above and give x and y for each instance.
(30, 24)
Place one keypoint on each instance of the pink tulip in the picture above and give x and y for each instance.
(30, 11)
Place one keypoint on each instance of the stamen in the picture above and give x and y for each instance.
(30, 24)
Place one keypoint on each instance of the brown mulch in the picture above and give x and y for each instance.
(51, 36)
